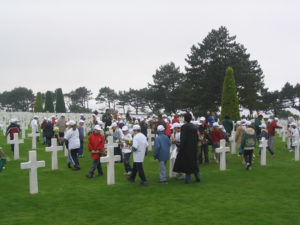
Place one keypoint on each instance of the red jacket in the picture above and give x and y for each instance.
(96, 143)
(271, 128)
(216, 136)
(168, 130)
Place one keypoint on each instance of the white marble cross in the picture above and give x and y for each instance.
(32, 165)
(222, 150)
(66, 151)
(263, 156)
(150, 136)
(110, 159)
(54, 149)
(297, 149)
(283, 134)
(34, 135)
(16, 141)
(232, 140)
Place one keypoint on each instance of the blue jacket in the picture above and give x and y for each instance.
(162, 147)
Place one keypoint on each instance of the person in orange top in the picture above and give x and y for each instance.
(96, 147)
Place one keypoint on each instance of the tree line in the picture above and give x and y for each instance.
(198, 89)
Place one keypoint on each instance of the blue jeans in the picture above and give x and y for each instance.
(81, 148)
(188, 177)
(162, 171)
(127, 162)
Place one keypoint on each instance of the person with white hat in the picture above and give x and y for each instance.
(294, 134)
(162, 152)
(11, 130)
(186, 161)
(264, 134)
(271, 132)
(34, 126)
(126, 149)
(248, 144)
(81, 137)
(72, 136)
(139, 146)
(216, 136)
(96, 147)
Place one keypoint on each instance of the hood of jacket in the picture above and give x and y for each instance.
(250, 131)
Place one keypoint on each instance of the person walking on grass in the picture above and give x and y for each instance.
(72, 136)
(139, 146)
(81, 137)
(126, 149)
(161, 152)
(248, 144)
(186, 160)
(271, 131)
(264, 134)
(96, 147)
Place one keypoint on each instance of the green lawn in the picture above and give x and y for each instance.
(265, 195)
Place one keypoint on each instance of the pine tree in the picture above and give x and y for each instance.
(230, 102)
(38, 105)
(60, 102)
(49, 102)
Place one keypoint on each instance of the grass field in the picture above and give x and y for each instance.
(265, 195)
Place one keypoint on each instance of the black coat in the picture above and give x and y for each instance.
(186, 159)
(48, 130)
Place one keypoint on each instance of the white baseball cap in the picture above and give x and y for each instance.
(72, 123)
(114, 124)
(36, 116)
(202, 118)
(215, 124)
(176, 125)
(124, 128)
(136, 127)
(81, 121)
(276, 118)
(248, 123)
(160, 128)
(97, 127)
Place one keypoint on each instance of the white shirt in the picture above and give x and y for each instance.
(140, 144)
(73, 138)
(125, 147)
(295, 133)
(34, 125)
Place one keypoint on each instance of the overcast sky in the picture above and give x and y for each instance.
(45, 45)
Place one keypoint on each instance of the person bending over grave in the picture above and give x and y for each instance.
(264, 134)
(48, 132)
(72, 135)
(139, 146)
(126, 149)
(248, 144)
(186, 161)
(35, 126)
(96, 147)
(161, 152)
(11, 130)
(2, 160)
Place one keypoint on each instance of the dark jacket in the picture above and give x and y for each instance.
(257, 129)
(162, 147)
(107, 118)
(144, 128)
(186, 158)
(48, 130)
(81, 133)
(248, 139)
(228, 125)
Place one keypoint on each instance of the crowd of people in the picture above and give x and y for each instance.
(185, 144)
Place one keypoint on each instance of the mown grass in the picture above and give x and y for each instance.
(265, 195)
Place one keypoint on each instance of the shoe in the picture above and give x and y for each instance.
(125, 173)
(248, 166)
(89, 175)
(130, 179)
(76, 168)
(129, 173)
(143, 183)
(291, 150)
(100, 174)
(273, 156)
(163, 182)
(69, 165)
